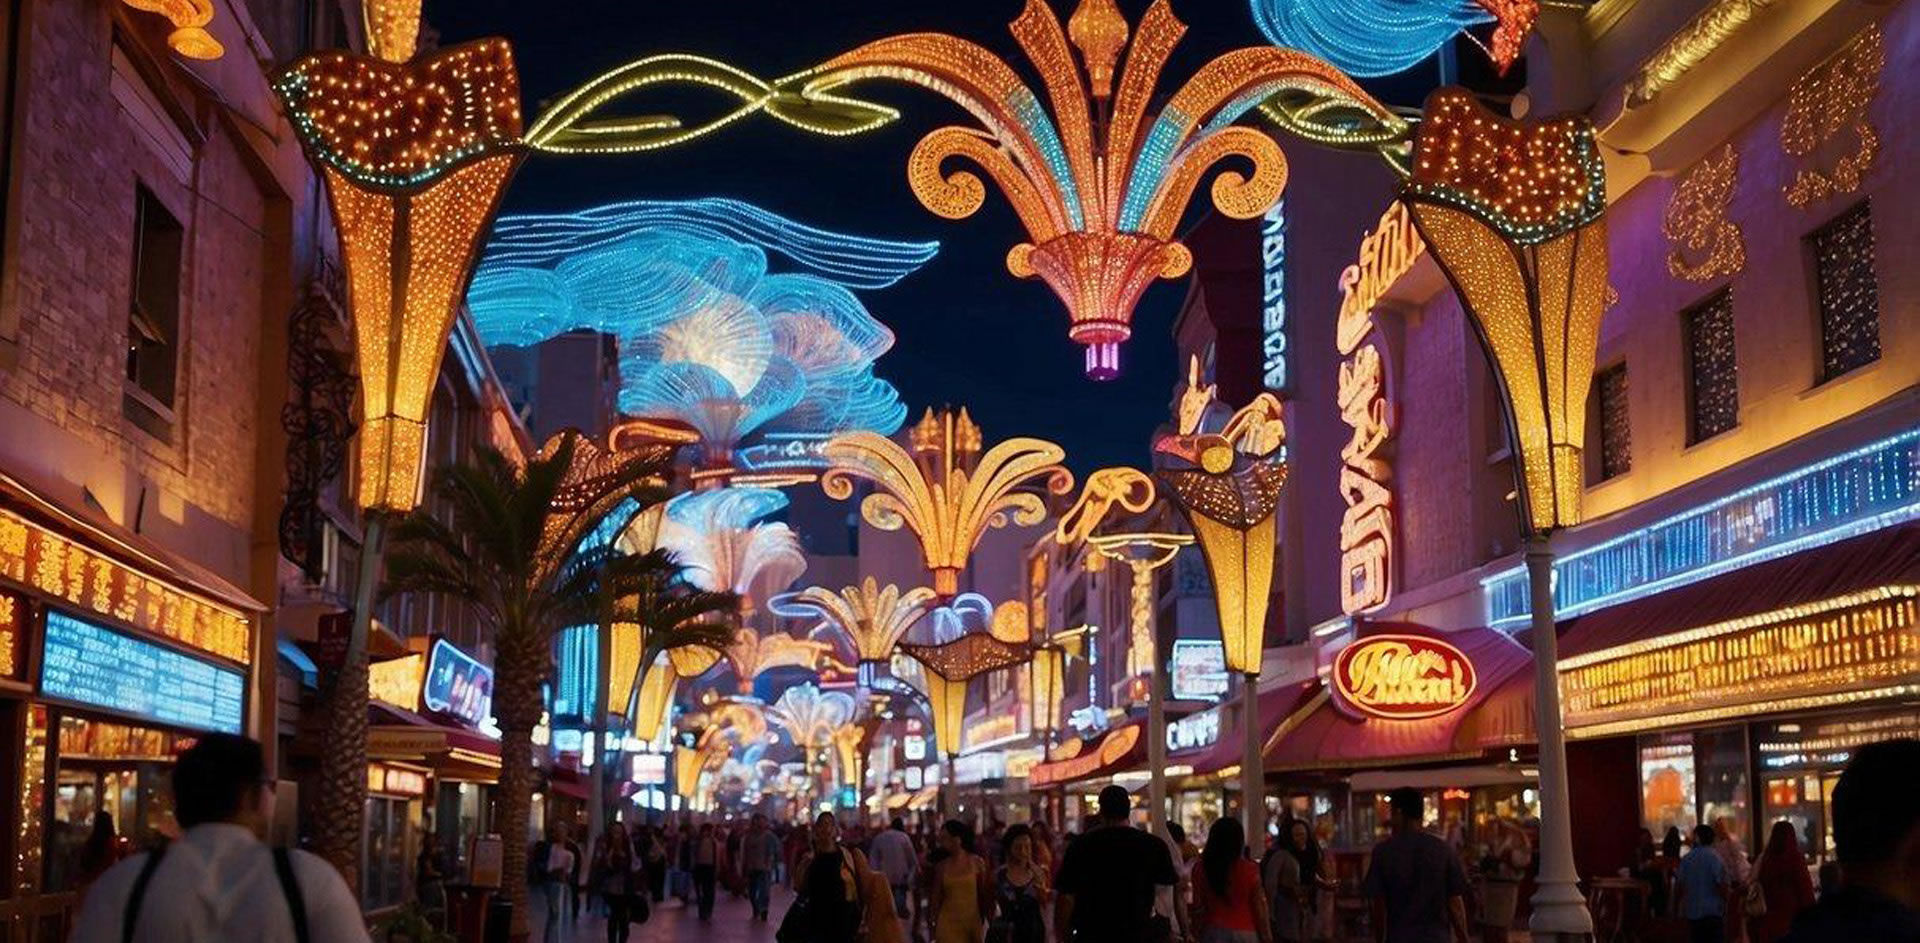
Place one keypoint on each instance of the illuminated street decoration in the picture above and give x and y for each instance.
(714, 535)
(568, 127)
(1366, 472)
(1402, 677)
(1273, 298)
(1832, 97)
(946, 491)
(412, 186)
(1689, 46)
(811, 717)
(751, 653)
(709, 340)
(656, 692)
(1228, 484)
(1383, 37)
(1696, 220)
(874, 618)
(1514, 215)
(947, 669)
(1099, 201)
(190, 19)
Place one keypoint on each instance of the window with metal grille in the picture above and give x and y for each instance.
(1713, 386)
(1610, 438)
(1849, 294)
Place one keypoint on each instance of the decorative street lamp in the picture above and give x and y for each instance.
(1228, 485)
(1100, 183)
(949, 667)
(1143, 553)
(1514, 212)
(945, 491)
(874, 618)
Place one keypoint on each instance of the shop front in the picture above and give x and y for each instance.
(1082, 768)
(114, 658)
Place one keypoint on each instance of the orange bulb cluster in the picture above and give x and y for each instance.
(1532, 181)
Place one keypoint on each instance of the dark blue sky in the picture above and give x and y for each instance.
(968, 332)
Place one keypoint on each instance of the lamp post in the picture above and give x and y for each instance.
(1514, 212)
(948, 668)
(1228, 485)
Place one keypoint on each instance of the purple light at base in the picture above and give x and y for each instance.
(1103, 360)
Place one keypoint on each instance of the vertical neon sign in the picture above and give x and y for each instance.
(1273, 303)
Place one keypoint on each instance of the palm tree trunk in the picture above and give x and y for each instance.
(517, 670)
(340, 801)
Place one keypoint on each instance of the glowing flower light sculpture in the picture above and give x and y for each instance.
(1228, 485)
(872, 618)
(946, 491)
(752, 653)
(811, 717)
(947, 668)
(1383, 37)
(1515, 215)
(714, 534)
(1099, 199)
(190, 19)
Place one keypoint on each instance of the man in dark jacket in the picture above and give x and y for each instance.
(1876, 830)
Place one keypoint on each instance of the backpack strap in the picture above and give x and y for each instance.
(290, 887)
(138, 894)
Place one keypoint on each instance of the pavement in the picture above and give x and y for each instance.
(672, 923)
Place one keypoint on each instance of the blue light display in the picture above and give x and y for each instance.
(576, 663)
(707, 335)
(725, 508)
(93, 665)
(1840, 497)
(1367, 37)
(457, 684)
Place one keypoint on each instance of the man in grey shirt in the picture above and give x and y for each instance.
(1415, 880)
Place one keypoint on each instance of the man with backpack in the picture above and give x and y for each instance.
(219, 880)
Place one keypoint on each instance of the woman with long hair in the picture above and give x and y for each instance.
(1229, 906)
(834, 883)
(615, 876)
(1784, 884)
(1021, 891)
(1293, 877)
(961, 889)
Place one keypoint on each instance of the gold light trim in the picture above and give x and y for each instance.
(1697, 40)
(1831, 97)
(1696, 220)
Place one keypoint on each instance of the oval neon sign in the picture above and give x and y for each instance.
(1403, 677)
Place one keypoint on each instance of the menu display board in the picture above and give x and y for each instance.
(1199, 670)
(457, 684)
(91, 664)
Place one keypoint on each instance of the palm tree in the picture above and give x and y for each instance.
(511, 552)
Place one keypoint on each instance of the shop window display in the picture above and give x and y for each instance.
(1720, 757)
(1800, 760)
(117, 769)
(1667, 783)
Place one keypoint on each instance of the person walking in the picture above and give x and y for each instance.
(1293, 877)
(553, 865)
(577, 878)
(1228, 905)
(758, 852)
(706, 868)
(1416, 882)
(831, 902)
(1020, 891)
(1108, 877)
(617, 877)
(1875, 826)
(219, 880)
(962, 888)
(1702, 885)
(1733, 854)
(1784, 884)
(892, 854)
(654, 862)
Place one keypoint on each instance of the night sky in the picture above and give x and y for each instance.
(968, 332)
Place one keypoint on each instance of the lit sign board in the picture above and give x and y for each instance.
(94, 665)
(1386, 253)
(1116, 747)
(1366, 529)
(998, 728)
(914, 747)
(987, 764)
(397, 681)
(914, 778)
(395, 781)
(457, 685)
(1273, 302)
(650, 769)
(1194, 731)
(1198, 669)
(1402, 677)
(13, 648)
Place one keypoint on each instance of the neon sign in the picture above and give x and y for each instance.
(1366, 529)
(94, 665)
(1194, 731)
(1386, 253)
(1198, 669)
(1273, 302)
(1402, 677)
(1114, 748)
(457, 684)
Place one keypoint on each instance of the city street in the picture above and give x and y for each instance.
(672, 923)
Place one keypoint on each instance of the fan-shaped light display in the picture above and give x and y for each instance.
(1099, 199)
(811, 716)
(752, 653)
(714, 535)
(873, 618)
(948, 667)
(1383, 37)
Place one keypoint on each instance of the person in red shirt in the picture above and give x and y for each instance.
(1229, 905)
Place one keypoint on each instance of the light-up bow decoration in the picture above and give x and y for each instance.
(1383, 37)
(415, 154)
(1228, 484)
(718, 537)
(1515, 214)
(709, 338)
(947, 492)
(1099, 200)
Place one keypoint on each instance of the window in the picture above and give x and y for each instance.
(1849, 294)
(153, 317)
(1713, 388)
(1610, 439)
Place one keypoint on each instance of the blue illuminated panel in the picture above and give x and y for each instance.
(94, 665)
(1840, 497)
(576, 663)
(457, 684)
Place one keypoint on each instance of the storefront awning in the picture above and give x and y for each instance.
(1276, 706)
(1886, 558)
(1120, 750)
(1328, 738)
(568, 781)
(455, 753)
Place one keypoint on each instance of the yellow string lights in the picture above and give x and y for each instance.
(1831, 97)
(945, 499)
(1696, 220)
(1513, 212)
(190, 19)
(947, 670)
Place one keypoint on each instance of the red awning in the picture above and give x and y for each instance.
(395, 733)
(568, 781)
(1886, 557)
(1116, 752)
(1327, 738)
(1275, 707)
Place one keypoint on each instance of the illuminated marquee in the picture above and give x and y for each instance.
(36, 557)
(91, 664)
(13, 649)
(1366, 529)
(998, 728)
(1273, 302)
(1194, 731)
(1402, 677)
(457, 684)
(1199, 670)
(397, 681)
(395, 781)
(1117, 746)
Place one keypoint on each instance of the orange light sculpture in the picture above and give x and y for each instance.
(415, 154)
(946, 491)
(872, 617)
(1100, 183)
